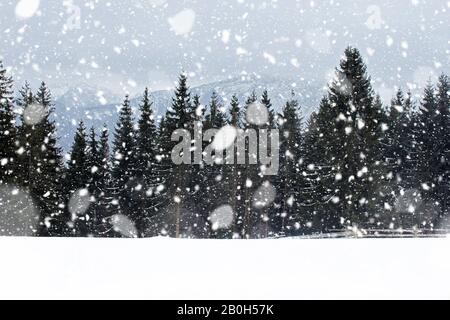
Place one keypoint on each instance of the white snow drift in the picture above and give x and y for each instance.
(229, 269)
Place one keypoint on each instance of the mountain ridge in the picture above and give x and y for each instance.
(96, 105)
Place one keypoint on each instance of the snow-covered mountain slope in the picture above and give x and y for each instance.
(97, 106)
(162, 268)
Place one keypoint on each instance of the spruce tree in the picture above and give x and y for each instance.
(214, 185)
(234, 172)
(94, 164)
(78, 178)
(8, 134)
(289, 180)
(179, 218)
(250, 177)
(200, 201)
(41, 160)
(24, 131)
(354, 128)
(104, 193)
(78, 171)
(442, 146)
(146, 164)
(124, 178)
(320, 173)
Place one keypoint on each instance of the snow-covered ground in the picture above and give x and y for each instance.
(214, 269)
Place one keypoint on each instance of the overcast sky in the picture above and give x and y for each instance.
(126, 45)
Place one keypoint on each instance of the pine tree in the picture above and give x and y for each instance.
(24, 131)
(6, 84)
(398, 136)
(354, 125)
(320, 173)
(146, 168)
(41, 160)
(200, 203)
(260, 218)
(179, 217)
(214, 185)
(289, 180)
(234, 172)
(265, 100)
(215, 119)
(78, 177)
(94, 164)
(428, 160)
(442, 147)
(124, 178)
(78, 172)
(250, 178)
(8, 134)
(103, 188)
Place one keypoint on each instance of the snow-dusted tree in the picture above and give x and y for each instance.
(124, 181)
(199, 178)
(433, 156)
(352, 144)
(249, 176)
(78, 171)
(178, 217)
(271, 119)
(78, 178)
(40, 159)
(398, 139)
(233, 173)
(214, 185)
(94, 166)
(289, 181)
(442, 160)
(147, 168)
(8, 134)
(23, 101)
(101, 186)
(319, 172)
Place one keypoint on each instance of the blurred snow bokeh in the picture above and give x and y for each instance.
(257, 114)
(264, 195)
(26, 9)
(18, 215)
(224, 138)
(123, 225)
(79, 203)
(222, 217)
(183, 22)
(34, 114)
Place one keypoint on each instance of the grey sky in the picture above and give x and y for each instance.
(126, 45)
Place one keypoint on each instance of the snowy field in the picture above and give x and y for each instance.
(163, 268)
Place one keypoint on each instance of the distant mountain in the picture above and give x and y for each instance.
(97, 106)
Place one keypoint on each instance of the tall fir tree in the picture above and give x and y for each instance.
(94, 167)
(125, 184)
(289, 181)
(234, 172)
(9, 168)
(319, 173)
(199, 175)
(23, 101)
(104, 194)
(249, 175)
(41, 160)
(147, 168)
(215, 185)
(78, 178)
(353, 144)
(179, 218)
(442, 146)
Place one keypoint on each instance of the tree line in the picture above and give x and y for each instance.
(354, 164)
